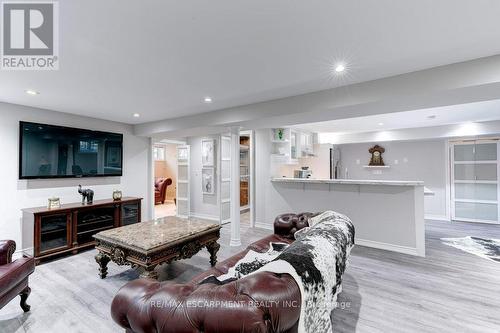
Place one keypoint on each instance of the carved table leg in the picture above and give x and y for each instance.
(102, 259)
(148, 272)
(24, 296)
(213, 248)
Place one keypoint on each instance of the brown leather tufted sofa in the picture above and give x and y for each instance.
(147, 306)
(14, 275)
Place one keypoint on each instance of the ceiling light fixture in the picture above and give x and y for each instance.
(32, 92)
(381, 124)
(136, 115)
(339, 68)
(208, 99)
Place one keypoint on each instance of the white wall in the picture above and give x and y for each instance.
(266, 195)
(203, 205)
(16, 194)
(418, 160)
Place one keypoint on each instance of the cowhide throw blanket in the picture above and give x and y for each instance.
(316, 260)
(252, 261)
(482, 247)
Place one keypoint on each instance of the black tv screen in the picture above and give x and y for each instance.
(48, 151)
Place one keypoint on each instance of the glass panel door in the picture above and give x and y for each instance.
(294, 143)
(475, 173)
(54, 232)
(182, 191)
(130, 213)
(90, 222)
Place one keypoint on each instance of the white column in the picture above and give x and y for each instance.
(235, 187)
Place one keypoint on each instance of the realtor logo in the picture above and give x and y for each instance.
(30, 33)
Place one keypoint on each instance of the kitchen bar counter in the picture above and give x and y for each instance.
(387, 214)
(347, 181)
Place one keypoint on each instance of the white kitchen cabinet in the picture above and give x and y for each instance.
(285, 146)
(306, 144)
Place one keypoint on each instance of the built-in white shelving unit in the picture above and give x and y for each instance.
(475, 170)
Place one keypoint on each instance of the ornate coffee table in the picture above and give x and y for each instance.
(146, 245)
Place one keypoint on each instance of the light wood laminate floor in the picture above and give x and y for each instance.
(166, 209)
(448, 291)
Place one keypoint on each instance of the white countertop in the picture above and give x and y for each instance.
(347, 181)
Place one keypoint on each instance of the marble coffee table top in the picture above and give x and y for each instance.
(147, 236)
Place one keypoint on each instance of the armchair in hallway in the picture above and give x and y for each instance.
(161, 185)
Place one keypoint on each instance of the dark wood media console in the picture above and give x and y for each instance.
(70, 228)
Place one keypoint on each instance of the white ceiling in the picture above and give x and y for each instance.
(455, 114)
(161, 58)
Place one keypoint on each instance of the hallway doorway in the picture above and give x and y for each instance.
(165, 179)
(246, 178)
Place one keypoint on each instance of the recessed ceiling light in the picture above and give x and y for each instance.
(136, 115)
(431, 117)
(339, 68)
(381, 124)
(208, 99)
(32, 92)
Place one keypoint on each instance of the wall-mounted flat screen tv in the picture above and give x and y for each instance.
(48, 151)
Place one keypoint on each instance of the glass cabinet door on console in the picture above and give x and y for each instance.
(130, 213)
(54, 232)
(90, 222)
(475, 175)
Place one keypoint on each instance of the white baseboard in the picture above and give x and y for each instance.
(204, 216)
(262, 225)
(389, 247)
(235, 242)
(20, 252)
(436, 217)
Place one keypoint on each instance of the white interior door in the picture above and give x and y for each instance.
(182, 190)
(225, 179)
(475, 187)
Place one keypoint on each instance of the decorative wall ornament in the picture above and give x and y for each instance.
(87, 195)
(207, 152)
(207, 180)
(376, 159)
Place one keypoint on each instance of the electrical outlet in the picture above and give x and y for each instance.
(358, 162)
(396, 161)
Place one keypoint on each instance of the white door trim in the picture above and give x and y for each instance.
(224, 158)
